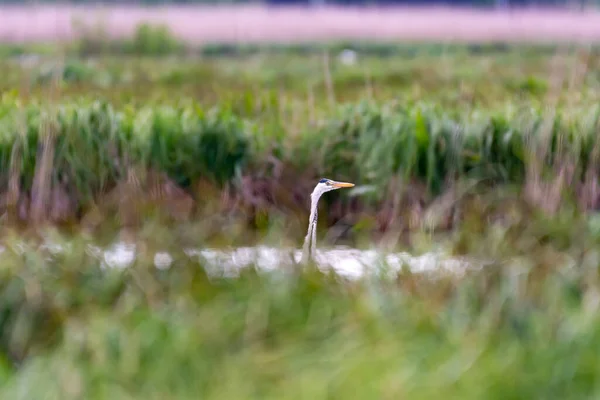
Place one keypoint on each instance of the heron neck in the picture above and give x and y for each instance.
(310, 239)
(314, 210)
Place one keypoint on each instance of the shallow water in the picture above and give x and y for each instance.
(345, 261)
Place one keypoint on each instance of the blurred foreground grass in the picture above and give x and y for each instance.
(525, 326)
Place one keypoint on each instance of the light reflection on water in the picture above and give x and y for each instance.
(346, 261)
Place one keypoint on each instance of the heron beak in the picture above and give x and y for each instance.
(342, 184)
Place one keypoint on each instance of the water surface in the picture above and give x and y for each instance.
(346, 261)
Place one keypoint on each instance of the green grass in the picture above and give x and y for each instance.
(449, 75)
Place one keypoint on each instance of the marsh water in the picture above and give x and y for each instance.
(227, 262)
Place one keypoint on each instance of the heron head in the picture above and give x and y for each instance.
(326, 185)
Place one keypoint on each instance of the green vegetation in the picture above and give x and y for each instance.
(487, 152)
(256, 121)
(149, 40)
(523, 327)
(94, 147)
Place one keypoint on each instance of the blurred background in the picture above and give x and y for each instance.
(157, 161)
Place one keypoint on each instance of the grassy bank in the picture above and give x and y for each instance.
(449, 78)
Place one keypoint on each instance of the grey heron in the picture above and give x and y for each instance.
(324, 185)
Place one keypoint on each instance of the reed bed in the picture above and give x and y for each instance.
(247, 134)
(75, 156)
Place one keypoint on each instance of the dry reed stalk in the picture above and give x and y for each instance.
(281, 109)
(370, 93)
(537, 191)
(589, 190)
(17, 202)
(126, 197)
(328, 80)
(311, 103)
(204, 194)
(171, 198)
(13, 194)
(440, 213)
(49, 200)
(42, 180)
(401, 211)
(588, 193)
(296, 121)
(230, 201)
